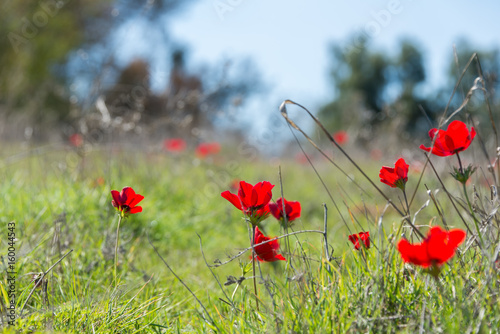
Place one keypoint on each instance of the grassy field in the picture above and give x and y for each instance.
(59, 199)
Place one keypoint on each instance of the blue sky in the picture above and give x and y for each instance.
(289, 40)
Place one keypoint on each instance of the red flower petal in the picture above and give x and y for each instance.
(275, 211)
(365, 237)
(459, 134)
(252, 200)
(454, 139)
(456, 237)
(292, 209)
(126, 200)
(295, 210)
(116, 198)
(401, 169)
(264, 193)
(127, 195)
(397, 176)
(438, 247)
(136, 200)
(354, 239)
(234, 199)
(246, 194)
(387, 176)
(267, 252)
(416, 254)
(279, 257)
(135, 209)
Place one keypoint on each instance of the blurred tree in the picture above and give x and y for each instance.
(413, 110)
(37, 39)
(370, 87)
(359, 77)
(188, 103)
(59, 63)
(41, 39)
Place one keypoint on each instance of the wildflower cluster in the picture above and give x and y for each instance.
(439, 246)
(255, 203)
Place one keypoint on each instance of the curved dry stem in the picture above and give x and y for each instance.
(329, 136)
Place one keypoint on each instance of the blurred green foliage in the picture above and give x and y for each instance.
(373, 88)
(39, 38)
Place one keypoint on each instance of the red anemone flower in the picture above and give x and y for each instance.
(397, 176)
(447, 142)
(269, 251)
(341, 137)
(125, 202)
(252, 200)
(437, 248)
(292, 209)
(174, 145)
(76, 140)
(364, 236)
(205, 149)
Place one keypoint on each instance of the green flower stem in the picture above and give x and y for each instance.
(472, 212)
(468, 201)
(460, 163)
(254, 254)
(406, 201)
(116, 246)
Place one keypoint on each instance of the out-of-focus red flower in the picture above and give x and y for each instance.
(269, 251)
(76, 140)
(438, 247)
(365, 238)
(205, 149)
(252, 200)
(125, 201)
(376, 154)
(341, 137)
(417, 167)
(455, 139)
(174, 145)
(98, 182)
(235, 184)
(292, 209)
(301, 158)
(397, 176)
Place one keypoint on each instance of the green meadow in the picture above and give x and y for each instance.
(59, 200)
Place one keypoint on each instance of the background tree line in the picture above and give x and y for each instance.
(59, 66)
(375, 91)
(48, 46)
